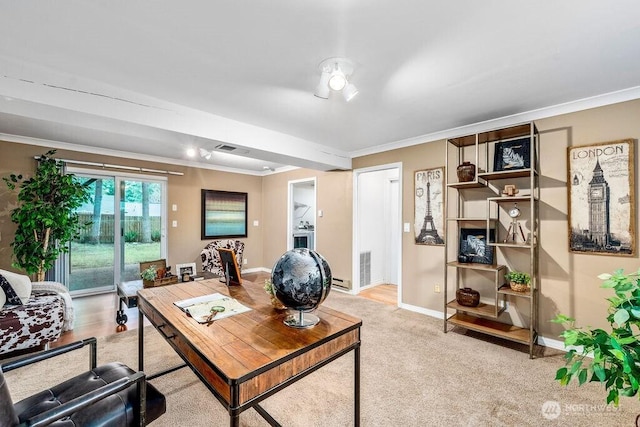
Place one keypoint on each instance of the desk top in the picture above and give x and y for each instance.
(244, 345)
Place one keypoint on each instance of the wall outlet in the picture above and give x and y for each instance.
(436, 289)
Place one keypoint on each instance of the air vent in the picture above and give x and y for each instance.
(225, 147)
(365, 268)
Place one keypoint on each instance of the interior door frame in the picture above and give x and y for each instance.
(355, 267)
(119, 178)
(290, 210)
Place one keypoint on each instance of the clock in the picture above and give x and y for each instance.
(596, 192)
(514, 212)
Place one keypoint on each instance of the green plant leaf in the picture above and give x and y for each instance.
(561, 373)
(599, 372)
(582, 376)
(621, 316)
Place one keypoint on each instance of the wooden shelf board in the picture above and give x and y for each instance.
(493, 135)
(520, 173)
(506, 289)
(470, 184)
(492, 327)
(476, 266)
(510, 245)
(507, 199)
(481, 309)
(478, 219)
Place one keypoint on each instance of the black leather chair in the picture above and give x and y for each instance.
(107, 395)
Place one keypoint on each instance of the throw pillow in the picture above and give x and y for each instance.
(17, 287)
(3, 299)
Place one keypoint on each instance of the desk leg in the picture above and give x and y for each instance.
(140, 340)
(356, 386)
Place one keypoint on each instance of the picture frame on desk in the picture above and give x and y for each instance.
(187, 270)
(512, 155)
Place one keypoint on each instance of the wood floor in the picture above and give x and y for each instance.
(95, 315)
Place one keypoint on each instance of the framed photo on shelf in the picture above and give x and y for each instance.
(512, 155)
(601, 190)
(473, 244)
(428, 223)
(224, 214)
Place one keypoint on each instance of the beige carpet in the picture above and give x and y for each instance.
(412, 374)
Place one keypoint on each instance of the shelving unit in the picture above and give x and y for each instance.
(481, 204)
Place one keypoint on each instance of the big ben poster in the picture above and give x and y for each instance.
(600, 181)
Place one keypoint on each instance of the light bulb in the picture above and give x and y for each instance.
(338, 80)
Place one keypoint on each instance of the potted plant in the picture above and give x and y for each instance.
(268, 287)
(45, 215)
(518, 280)
(616, 353)
(149, 275)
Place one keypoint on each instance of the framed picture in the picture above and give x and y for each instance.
(512, 155)
(224, 214)
(473, 244)
(230, 266)
(429, 201)
(189, 268)
(601, 191)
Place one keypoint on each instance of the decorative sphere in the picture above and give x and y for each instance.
(301, 279)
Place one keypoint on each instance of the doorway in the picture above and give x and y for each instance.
(126, 215)
(301, 225)
(377, 227)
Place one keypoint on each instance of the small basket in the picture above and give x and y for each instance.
(519, 287)
(160, 282)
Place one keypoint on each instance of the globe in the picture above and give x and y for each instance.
(301, 280)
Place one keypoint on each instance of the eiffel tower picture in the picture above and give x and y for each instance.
(428, 233)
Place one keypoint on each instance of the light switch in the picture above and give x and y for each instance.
(174, 223)
(256, 223)
(174, 207)
(320, 213)
(407, 227)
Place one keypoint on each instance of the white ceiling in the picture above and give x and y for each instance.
(149, 79)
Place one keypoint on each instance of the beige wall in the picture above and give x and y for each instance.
(184, 191)
(334, 191)
(569, 282)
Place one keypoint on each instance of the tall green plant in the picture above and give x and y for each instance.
(616, 354)
(45, 215)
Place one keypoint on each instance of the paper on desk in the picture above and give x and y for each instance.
(200, 307)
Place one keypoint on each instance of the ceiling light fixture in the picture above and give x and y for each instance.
(334, 75)
(206, 154)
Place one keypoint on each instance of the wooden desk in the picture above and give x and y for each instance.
(245, 358)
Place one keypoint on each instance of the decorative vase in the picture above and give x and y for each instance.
(466, 172)
(518, 287)
(468, 297)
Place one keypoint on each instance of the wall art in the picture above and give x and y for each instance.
(429, 202)
(601, 191)
(224, 214)
(512, 155)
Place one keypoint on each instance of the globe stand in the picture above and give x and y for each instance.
(300, 321)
